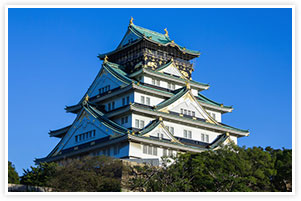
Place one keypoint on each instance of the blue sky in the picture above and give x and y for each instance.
(246, 58)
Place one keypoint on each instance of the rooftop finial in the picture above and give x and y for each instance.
(160, 119)
(171, 59)
(166, 32)
(86, 100)
(187, 85)
(105, 60)
(131, 20)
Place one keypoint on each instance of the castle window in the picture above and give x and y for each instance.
(113, 105)
(141, 124)
(127, 100)
(116, 150)
(142, 99)
(171, 130)
(145, 149)
(150, 150)
(109, 106)
(136, 123)
(164, 152)
(207, 138)
(123, 101)
(187, 134)
(203, 137)
(169, 152)
(85, 136)
(147, 100)
(193, 113)
(213, 115)
(155, 151)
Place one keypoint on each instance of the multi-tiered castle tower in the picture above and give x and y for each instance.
(143, 104)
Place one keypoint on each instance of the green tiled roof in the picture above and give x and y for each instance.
(177, 78)
(157, 37)
(111, 124)
(179, 94)
(150, 127)
(207, 100)
(116, 71)
(172, 115)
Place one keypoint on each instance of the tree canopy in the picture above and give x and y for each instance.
(13, 177)
(229, 169)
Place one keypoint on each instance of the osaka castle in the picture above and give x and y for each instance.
(143, 105)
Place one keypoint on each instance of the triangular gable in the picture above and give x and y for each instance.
(171, 68)
(157, 129)
(187, 102)
(128, 38)
(105, 78)
(84, 123)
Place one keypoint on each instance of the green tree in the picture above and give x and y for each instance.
(88, 174)
(40, 175)
(13, 177)
(228, 169)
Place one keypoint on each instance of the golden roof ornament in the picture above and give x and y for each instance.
(87, 98)
(166, 32)
(187, 85)
(105, 60)
(171, 59)
(131, 20)
(160, 119)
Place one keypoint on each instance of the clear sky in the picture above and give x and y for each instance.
(246, 58)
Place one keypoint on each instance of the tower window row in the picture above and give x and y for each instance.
(204, 137)
(139, 123)
(145, 100)
(104, 89)
(124, 120)
(85, 136)
(155, 82)
(150, 150)
(125, 101)
(187, 134)
(171, 129)
(187, 112)
(212, 115)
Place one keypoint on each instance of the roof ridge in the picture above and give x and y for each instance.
(151, 31)
(99, 114)
(172, 99)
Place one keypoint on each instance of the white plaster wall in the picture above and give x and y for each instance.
(234, 139)
(194, 92)
(118, 100)
(163, 83)
(136, 150)
(123, 150)
(146, 120)
(153, 100)
(218, 115)
(196, 132)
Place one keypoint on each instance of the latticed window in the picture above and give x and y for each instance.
(147, 100)
(142, 99)
(136, 123)
(145, 149)
(155, 151)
